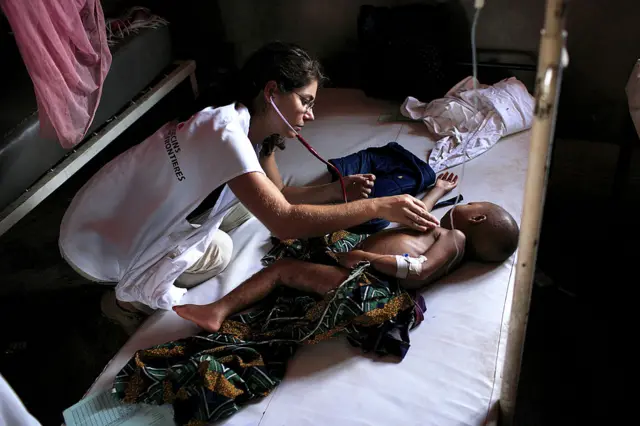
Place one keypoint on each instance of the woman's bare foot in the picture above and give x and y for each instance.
(208, 317)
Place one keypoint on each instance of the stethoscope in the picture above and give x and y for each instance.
(310, 149)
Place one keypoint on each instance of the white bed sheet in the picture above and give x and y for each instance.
(452, 373)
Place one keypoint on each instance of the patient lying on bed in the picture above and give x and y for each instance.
(480, 231)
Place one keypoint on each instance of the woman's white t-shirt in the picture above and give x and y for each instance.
(128, 222)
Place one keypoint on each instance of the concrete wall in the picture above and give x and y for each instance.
(603, 44)
(329, 27)
(604, 35)
(325, 27)
(508, 24)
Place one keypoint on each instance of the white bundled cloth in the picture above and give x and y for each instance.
(466, 131)
(633, 95)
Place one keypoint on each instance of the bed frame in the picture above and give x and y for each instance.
(553, 58)
(96, 143)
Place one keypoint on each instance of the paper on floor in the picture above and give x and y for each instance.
(102, 409)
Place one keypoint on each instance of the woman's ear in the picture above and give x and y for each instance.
(477, 219)
(270, 89)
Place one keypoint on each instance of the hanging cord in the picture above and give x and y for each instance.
(478, 5)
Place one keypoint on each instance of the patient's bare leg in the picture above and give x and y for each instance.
(305, 276)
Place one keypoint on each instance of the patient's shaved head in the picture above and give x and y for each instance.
(492, 233)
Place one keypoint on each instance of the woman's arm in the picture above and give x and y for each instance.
(358, 186)
(285, 220)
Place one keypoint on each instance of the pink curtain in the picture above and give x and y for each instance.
(64, 46)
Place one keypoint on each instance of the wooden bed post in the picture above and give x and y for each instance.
(551, 61)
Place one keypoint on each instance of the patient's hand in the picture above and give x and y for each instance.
(446, 182)
(352, 258)
(357, 186)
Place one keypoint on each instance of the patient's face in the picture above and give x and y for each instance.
(463, 216)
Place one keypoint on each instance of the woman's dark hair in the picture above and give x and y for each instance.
(289, 65)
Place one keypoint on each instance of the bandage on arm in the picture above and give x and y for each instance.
(444, 256)
(409, 267)
(390, 265)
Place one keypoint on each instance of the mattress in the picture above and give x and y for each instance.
(451, 374)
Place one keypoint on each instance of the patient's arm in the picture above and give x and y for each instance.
(445, 183)
(357, 186)
(444, 255)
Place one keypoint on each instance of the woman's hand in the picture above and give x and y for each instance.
(357, 186)
(406, 210)
(446, 182)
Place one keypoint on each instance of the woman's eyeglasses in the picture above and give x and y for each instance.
(306, 102)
